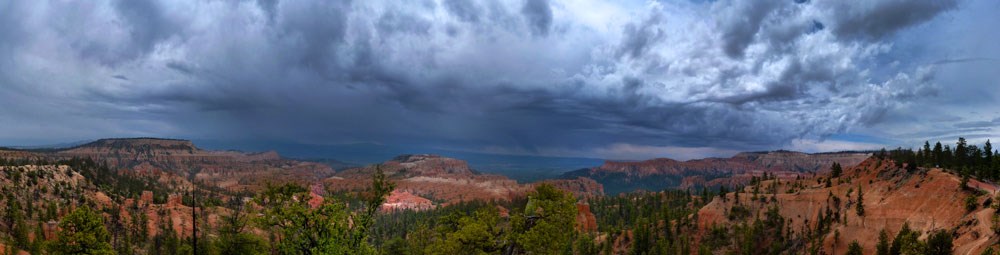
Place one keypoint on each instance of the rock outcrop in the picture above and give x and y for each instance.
(928, 199)
(404, 200)
(177, 161)
(447, 180)
(585, 220)
(662, 173)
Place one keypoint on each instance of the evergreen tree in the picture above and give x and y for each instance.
(939, 243)
(836, 239)
(327, 228)
(860, 208)
(854, 248)
(961, 152)
(835, 170)
(927, 158)
(911, 162)
(947, 157)
(882, 248)
(479, 233)
(938, 154)
(20, 228)
(232, 236)
(82, 232)
(964, 181)
(378, 192)
(905, 242)
(302, 229)
(542, 229)
(988, 160)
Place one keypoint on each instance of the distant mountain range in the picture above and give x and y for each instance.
(183, 166)
(517, 167)
(182, 157)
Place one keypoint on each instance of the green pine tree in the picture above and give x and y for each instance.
(854, 248)
(882, 248)
(860, 208)
(82, 232)
(547, 227)
(835, 170)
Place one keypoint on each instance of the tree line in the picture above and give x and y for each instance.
(967, 159)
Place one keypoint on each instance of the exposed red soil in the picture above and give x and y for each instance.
(927, 199)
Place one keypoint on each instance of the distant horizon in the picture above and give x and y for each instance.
(68, 145)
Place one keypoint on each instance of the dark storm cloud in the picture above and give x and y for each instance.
(743, 22)
(539, 16)
(269, 6)
(878, 19)
(979, 124)
(464, 10)
(147, 25)
(637, 38)
(964, 60)
(397, 22)
(313, 29)
(737, 75)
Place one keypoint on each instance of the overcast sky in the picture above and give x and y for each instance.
(609, 79)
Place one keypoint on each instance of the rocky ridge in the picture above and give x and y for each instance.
(928, 199)
(447, 180)
(661, 173)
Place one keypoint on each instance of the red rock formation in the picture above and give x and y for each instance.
(580, 186)
(49, 230)
(656, 174)
(503, 211)
(448, 180)
(404, 200)
(175, 160)
(416, 165)
(776, 161)
(146, 198)
(174, 200)
(927, 199)
(315, 200)
(585, 220)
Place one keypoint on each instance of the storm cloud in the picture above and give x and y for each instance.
(542, 77)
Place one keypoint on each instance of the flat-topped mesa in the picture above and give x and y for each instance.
(428, 165)
(803, 162)
(182, 160)
(447, 180)
(741, 162)
(159, 149)
(153, 146)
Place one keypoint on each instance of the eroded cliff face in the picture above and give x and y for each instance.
(59, 189)
(180, 161)
(926, 199)
(407, 166)
(586, 222)
(662, 173)
(405, 200)
(447, 180)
